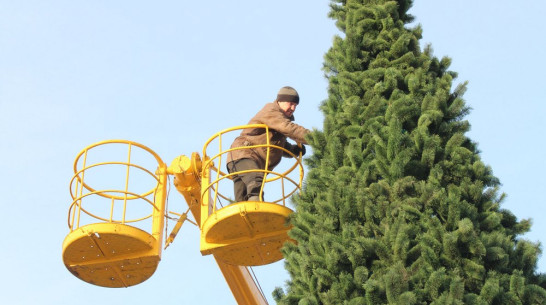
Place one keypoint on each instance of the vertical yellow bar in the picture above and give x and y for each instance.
(217, 173)
(112, 209)
(73, 208)
(126, 183)
(81, 188)
(283, 194)
(205, 190)
(159, 207)
(266, 163)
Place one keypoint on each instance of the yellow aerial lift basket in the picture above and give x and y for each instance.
(118, 212)
(115, 222)
(249, 233)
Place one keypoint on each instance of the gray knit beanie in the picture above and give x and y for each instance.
(288, 94)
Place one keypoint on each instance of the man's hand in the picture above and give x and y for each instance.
(296, 150)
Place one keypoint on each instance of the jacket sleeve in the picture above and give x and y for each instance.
(273, 117)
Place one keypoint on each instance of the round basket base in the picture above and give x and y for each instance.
(247, 233)
(110, 255)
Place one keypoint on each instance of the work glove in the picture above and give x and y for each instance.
(296, 150)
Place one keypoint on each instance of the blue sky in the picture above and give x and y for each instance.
(170, 74)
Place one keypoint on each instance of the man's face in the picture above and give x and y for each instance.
(288, 108)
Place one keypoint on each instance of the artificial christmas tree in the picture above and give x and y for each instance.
(397, 206)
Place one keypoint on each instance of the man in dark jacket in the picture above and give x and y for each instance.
(278, 116)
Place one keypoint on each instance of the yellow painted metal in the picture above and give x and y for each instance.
(111, 251)
(242, 284)
(188, 181)
(176, 229)
(212, 164)
(110, 255)
(245, 233)
(106, 250)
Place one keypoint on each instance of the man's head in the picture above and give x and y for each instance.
(288, 99)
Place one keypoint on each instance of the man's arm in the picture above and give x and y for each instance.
(275, 119)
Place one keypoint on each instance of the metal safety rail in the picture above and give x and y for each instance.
(118, 212)
(245, 233)
(105, 247)
(217, 160)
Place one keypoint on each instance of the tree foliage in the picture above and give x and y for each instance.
(398, 207)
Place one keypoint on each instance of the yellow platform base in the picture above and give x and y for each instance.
(110, 255)
(246, 233)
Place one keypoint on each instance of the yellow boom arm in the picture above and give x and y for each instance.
(187, 182)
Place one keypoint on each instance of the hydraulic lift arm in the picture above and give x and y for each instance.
(187, 181)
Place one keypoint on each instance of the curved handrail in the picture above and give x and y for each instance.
(84, 151)
(214, 163)
(75, 204)
(80, 189)
(77, 175)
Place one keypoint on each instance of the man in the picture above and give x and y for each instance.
(278, 116)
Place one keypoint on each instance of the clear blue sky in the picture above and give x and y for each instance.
(169, 74)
